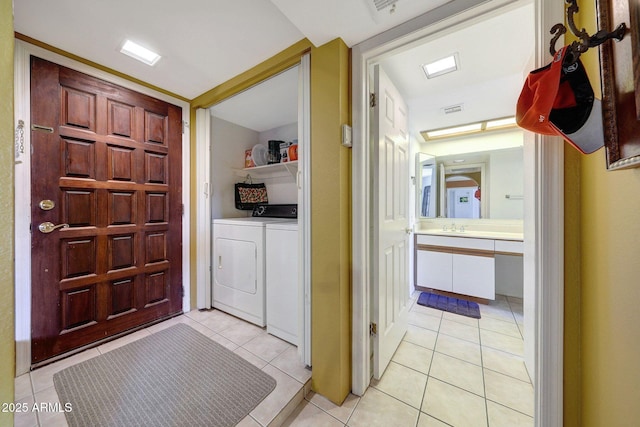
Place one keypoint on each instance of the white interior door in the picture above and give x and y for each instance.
(391, 221)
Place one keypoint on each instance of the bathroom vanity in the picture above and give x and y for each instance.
(469, 262)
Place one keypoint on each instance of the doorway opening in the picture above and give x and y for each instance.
(238, 132)
(542, 187)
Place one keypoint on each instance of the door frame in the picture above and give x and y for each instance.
(22, 283)
(543, 223)
(204, 221)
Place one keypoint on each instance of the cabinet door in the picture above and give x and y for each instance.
(474, 275)
(434, 270)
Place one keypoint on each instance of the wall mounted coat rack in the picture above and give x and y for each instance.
(585, 41)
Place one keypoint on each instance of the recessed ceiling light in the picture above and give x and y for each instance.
(140, 53)
(441, 66)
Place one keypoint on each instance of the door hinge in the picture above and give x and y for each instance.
(372, 100)
(373, 328)
(182, 292)
(182, 209)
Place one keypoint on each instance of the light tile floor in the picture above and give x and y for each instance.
(449, 370)
(274, 356)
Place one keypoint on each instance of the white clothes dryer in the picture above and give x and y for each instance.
(239, 267)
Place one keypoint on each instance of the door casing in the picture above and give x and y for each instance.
(23, 51)
(543, 226)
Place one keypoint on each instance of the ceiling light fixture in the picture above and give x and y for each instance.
(441, 66)
(484, 126)
(457, 130)
(500, 123)
(140, 53)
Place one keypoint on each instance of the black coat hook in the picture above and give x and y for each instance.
(584, 41)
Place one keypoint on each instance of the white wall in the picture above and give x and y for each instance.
(228, 144)
(281, 190)
(285, 133)
(509, 275)
(506, 177)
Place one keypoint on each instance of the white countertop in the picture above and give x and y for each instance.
(478, 234)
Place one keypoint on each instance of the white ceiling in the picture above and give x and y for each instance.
(204, 43)
(352, 20)
(495, 55)
(268, 105)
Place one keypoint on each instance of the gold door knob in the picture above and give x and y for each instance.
(48, 227)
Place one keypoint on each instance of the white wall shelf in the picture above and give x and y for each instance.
(275, 170)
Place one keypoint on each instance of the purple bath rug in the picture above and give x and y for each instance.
(450, 304)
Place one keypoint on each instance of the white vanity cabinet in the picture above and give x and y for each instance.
(456, 264)
(474, 275)
(433, 269)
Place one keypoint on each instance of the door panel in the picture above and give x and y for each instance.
(391, 184)
(115, 263)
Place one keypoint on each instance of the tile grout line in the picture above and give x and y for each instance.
(484, 381)
(335, 418)
(426, 384)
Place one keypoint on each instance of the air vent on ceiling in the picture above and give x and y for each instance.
(453, 109)
(381, 4)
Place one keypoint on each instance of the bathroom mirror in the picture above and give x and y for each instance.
(460, 189)
(475, 185)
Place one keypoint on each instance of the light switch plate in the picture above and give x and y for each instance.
(346, 136)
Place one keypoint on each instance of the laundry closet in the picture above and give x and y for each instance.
(257, 199)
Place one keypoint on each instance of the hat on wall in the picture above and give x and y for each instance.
(558, 100)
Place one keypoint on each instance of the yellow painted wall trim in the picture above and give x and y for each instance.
(330, 200)
(7, 250)
(272, 66)
(601, 346)
(331, 222)
(64, 53)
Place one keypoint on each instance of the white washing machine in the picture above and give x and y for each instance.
(239, 267)
(282, 283)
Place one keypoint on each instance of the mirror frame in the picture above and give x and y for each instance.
(620, 69)
(418, 183)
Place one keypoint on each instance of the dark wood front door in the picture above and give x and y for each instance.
(106, 161)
